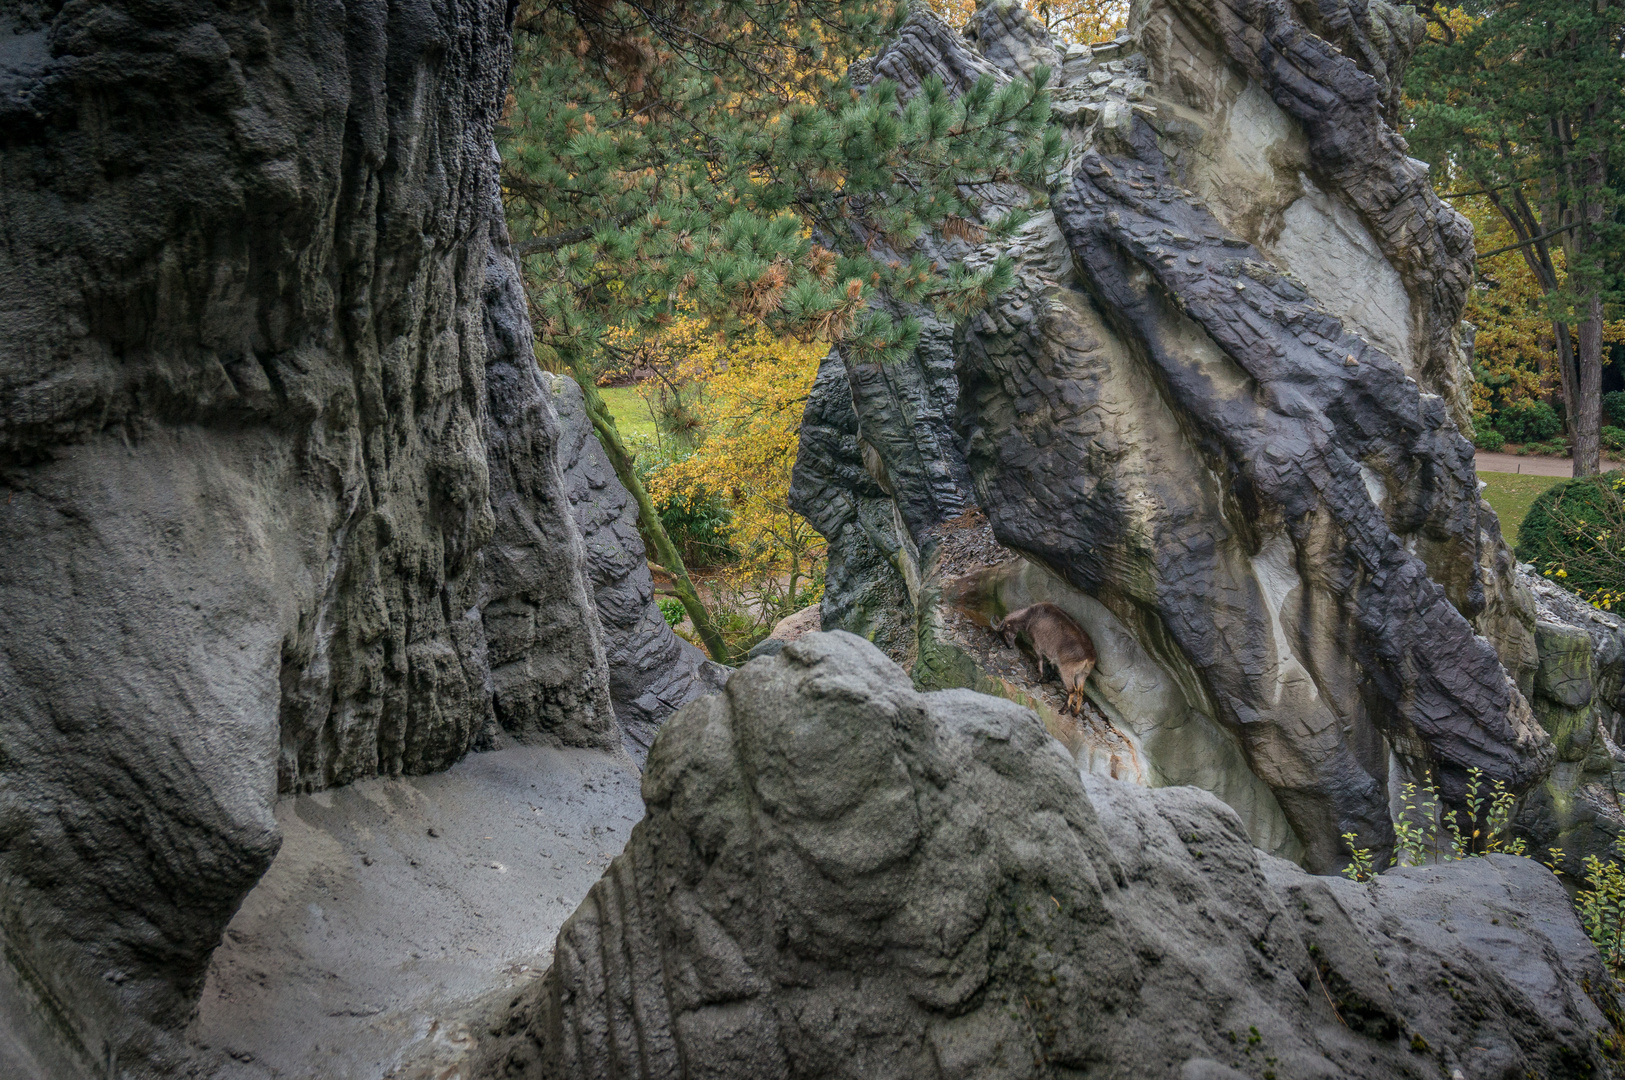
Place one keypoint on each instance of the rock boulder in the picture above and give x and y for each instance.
(837, 876)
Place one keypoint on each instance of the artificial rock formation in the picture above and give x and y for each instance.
(1219, 418)
(283, 500)
(837, 876)
(652, 671)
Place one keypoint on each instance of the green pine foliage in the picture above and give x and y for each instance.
(709, 157)
(1522, 103)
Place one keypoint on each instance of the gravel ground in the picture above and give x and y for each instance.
(394, 903)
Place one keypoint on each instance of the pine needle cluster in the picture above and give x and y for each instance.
(710, 157)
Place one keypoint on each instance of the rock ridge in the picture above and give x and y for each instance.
(838, 876)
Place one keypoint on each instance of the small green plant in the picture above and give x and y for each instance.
(1410, 834)
(1483, 826)
(1363, 868)
(1602, 907)
(671, 609)
(1487, 438)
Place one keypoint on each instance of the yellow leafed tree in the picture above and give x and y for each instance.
(747, 423)
(1068, 21)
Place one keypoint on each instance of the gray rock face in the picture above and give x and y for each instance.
(1269, 540)
(871, 555)
(652, 671)
(1221, 409)
(1012, 38)
(284, 506)
(838, 876)
(1576, 697)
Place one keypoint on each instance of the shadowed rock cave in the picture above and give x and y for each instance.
(344, 737)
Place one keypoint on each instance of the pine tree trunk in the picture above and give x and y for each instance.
(610, 437)
(1588, 417)
(1563, 343)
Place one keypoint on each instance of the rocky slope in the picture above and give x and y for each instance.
(652, 671)
(1219, 418)
(837, 876)
(284, 506)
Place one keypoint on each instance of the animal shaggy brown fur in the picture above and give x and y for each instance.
(1055, 640)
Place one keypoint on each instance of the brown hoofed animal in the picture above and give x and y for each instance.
(1057, 640)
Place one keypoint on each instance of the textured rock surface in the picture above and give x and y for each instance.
(652, 671)
(283, 505)
(1576, 697)
(872, 559)
(394, 902)
(838, 876)
(1243, 471)
(1222, 403)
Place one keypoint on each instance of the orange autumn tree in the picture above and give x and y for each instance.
(748, 426)
(1068, 21)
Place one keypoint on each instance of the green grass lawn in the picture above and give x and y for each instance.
(631, 412)
(1510, 495)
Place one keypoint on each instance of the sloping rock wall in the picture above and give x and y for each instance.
(1225, 401)
(283, 505)
(652, 671)
(837, 876)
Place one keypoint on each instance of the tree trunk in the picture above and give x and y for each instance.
(683, 588)
(1563, 343)
(1588, 416)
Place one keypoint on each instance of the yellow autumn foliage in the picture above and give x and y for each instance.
(747, 430)
(1513, 351)
(1068, 21)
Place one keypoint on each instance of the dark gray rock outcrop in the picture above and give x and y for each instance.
(652, 671)
(1301, 460)
(1219, 418)
(283, 505)
(838, 486)
(840, 877)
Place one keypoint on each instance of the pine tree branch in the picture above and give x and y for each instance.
(1531, 240)
(554, 241)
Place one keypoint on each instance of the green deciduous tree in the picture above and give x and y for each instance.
(1524, 101)
(708, 157)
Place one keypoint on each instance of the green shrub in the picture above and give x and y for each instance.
(1558, 447)
(697, 522)
(698, 525)
(1613, 440)
(1487, 438)
(1527, 421)
(1613, 407)
(1574, 534)
(672, 610)
(1602, 907)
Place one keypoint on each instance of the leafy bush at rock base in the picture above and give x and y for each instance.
(1527, 421)
(1574, 534)
(1487, 438)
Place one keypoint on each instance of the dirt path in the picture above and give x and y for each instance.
(393, 903)
(1528, 466)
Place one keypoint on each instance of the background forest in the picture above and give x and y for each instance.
(705, 207)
